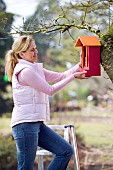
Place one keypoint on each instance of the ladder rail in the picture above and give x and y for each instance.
(74, 145)
(40, 163)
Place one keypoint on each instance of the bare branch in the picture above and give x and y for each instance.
(55, 27)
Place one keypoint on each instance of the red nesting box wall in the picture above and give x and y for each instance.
(90, 54)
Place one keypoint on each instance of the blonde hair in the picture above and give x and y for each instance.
(22, 43)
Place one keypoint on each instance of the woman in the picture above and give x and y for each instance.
(31, 105)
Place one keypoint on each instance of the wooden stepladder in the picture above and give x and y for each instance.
(69, 136)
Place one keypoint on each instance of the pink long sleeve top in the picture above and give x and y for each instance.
(31, 78)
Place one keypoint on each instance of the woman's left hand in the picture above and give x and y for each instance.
(80, 75)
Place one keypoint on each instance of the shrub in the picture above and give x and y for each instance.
(8, 160)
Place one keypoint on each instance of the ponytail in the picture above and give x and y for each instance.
(11, 60)
(20, 44)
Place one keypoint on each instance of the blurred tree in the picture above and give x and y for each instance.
(44, 13)
(6, 102)
(6, 20)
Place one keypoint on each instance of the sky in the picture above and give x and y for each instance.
(23, 8)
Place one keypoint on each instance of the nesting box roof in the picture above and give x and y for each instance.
(87, 41)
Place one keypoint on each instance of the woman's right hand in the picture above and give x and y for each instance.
(80, 75)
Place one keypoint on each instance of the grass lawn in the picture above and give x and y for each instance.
(96, 134)
(5, 125)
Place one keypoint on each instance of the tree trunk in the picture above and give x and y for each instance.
(107, 53)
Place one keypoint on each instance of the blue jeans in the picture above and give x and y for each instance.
(30, 135)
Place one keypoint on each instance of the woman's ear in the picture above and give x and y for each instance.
(21, 54)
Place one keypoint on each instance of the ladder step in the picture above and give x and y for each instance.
(43, 152)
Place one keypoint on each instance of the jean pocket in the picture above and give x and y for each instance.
(17, 131)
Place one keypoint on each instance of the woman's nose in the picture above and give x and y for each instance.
(36, 51)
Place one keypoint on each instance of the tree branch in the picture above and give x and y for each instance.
(55, 27)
